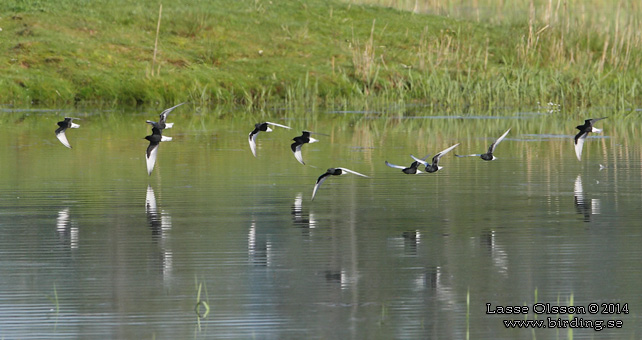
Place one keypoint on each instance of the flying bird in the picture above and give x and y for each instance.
(488, 156)
(162, 120)
(64, 125)
(152, 150)
(258, 128)
(332, 172)
(298, 143)
(411, 170)
(584, 131)
(434, 166)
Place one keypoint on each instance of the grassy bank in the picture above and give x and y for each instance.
(314, 52)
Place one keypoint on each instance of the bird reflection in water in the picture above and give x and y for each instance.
(583, 207)
(411, 240)
(299, 218)
(259, 249)
(497, 253)
(439, 283)
(66, 228)
(408, 241)
(160, 224)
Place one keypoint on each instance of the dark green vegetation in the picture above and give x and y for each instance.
(311, 52)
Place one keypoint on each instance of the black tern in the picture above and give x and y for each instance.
(298, 143)
(258, 128)
(64, 125)
(332, 172)
(162, 120)
(488, 156)
(434, 166)
(584, 131)
(152, 150)
(411, 170)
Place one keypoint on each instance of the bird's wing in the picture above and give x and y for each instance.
(593, 120)
(320, 181)
(492, 147)
(279, 125)
(150, 155)
(60, 133)
(163, 115)
(579, 144)
(252, 140)
(296, 149)
(353, 172)
(421, 160)
(471, 155)
(442, 153)
(395, 166)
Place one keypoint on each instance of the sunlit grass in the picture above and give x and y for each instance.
(258, 54)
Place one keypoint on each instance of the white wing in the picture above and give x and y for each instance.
(441, 154)
(297, 154)
(353, 172)
(252, 140)
(420, 160)
(317, 185)
(63, 139)
(579, 143)
(279, 125)
(395, 166)
(151, 160)
(499, 140)
(169, 125)
(472, 155)
(167, 111)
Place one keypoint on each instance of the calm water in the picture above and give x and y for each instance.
(92, 247)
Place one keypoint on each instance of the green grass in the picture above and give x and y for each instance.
(334, 53)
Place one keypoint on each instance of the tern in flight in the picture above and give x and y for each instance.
(488, 156)
(64, 125)
(298, 143)
(162, 120)
(333, 172)
(411, 170)
(584, 131)
(258, 128)
(434, 165)
(152, 150)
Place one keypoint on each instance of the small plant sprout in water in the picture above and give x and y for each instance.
(202, 308)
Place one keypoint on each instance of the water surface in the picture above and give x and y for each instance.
(93, 247)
